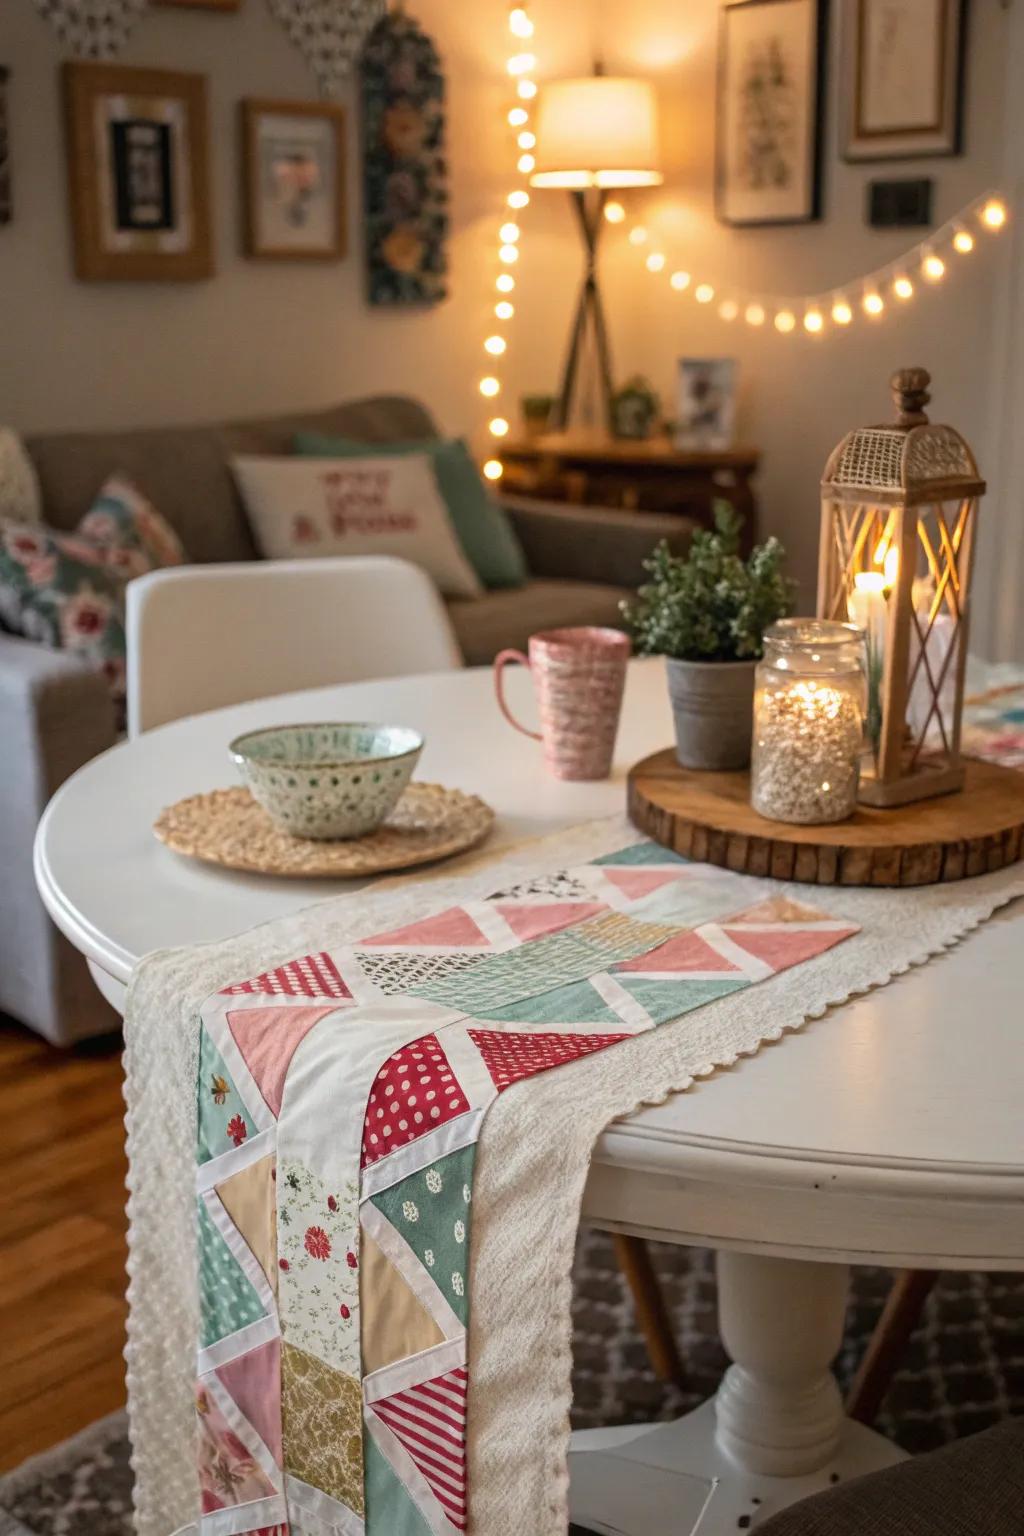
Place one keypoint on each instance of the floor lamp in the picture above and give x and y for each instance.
(594, 135)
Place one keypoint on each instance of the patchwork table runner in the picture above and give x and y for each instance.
(341, 1097)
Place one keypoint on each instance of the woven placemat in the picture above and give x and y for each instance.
(228, 827)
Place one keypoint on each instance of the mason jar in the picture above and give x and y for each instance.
(810, 695)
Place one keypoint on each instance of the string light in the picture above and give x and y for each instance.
(872, 303)
(497, 426)
(614, 212)
(504, 282)
(518, 116)
(703, 293)
(680, 281)
(527, 141)
(493, 469)
(903, 288)
(526, 164)
(508, 254)
(785, 320)
(509, 233)
(521, 64)
(933, 267)
(842, 314)
(519, 23)
(495, 345)
(814, 321)
(963, 241)
(490, 386)
(519, 199)
(728, 309)
(655, 261)
(526, 90)
(638, 235)
(994, 214)
(754, 314)
(504, 310)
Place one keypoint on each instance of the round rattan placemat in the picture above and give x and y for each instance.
(227, 827)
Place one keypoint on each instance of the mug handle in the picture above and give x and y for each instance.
(501, 661)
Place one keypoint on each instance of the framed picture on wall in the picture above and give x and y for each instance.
(903, 73)
(771, 70)
(137, 173)
(706, 403)
(294, 180)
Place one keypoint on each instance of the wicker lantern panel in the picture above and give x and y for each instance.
(898, 513)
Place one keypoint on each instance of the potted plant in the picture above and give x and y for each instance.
(537, 411)
(706, 612)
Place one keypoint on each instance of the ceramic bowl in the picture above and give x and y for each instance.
(328, 781)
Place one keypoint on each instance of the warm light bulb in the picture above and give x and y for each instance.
(527, 141)
(521, 64)
(842, 314)
(518, 116)
(993, 214)
(508, 254)
(903, 288)
(638, 236)
(509, 233)
(495, 345)
(518, 199)
(519, 24)
(614, 212)
(489, 386)
(526, 90)
(703, 293)
(493, 469)
(504, 310)
(526, 164)
(933, 267)
(963, 241)
(754, 314)
(785, 320)
(728, 309)
(498, 426)
(680, 280)
(504, 282)
(872, 303)
(655, 262)
(813, 321)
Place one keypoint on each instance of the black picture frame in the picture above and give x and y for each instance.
(945, 137)
(808, 208)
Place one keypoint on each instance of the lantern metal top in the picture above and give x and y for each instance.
(907, 463)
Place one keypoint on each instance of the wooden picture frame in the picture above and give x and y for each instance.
(138, 177)
(902, 78)
(770, 111)
(294, 169)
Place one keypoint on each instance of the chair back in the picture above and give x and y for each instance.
(201, 637)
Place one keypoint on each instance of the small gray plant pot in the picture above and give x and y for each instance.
(713, 708)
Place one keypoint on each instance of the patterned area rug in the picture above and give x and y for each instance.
(963, 1370)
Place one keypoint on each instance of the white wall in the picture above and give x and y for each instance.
(262, 337)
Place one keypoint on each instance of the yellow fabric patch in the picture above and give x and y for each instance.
(249, 1197)
(395, 1322)
(322, 1424)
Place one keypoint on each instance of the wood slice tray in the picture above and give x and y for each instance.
(708, 816)
(227, 827)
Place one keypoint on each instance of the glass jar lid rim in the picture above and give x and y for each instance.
(792, 634)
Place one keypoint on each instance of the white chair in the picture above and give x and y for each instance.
(203, 636)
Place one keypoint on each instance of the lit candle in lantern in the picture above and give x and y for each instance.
(867, 608)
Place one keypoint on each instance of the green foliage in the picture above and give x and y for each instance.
(710, 605)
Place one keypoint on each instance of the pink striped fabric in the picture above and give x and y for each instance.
(429, 1420)
(310, 976)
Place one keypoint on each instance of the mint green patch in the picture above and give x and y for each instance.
(576, 1003)
(643, 853)
(219, 1105)
(668, 1000)
(430, 1209)
(227, 1300)
(389, 1506)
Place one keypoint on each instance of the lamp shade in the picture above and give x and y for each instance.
(599, 131)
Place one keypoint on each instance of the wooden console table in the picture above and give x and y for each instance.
(652, 475)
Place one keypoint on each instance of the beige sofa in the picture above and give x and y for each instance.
(54, 716)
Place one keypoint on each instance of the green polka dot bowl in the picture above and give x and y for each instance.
(328, 781)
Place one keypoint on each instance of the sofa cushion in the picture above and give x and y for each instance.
(485, 625)
(20, 501)
(185, 471)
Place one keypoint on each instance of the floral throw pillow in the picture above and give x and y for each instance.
(67, 589)
(19, 487)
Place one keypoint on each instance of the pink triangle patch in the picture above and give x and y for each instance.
(686, 952)
(268, 1038)
(454, 929)
(533, 921)
(429, 1421)
(510, 1056)
(309, 976)
(640, 881)
(788, 945)
(253, 1382)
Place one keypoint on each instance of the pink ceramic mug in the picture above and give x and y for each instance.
(579, 675)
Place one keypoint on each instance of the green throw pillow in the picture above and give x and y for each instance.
(483, 529)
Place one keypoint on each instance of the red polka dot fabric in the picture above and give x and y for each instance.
(510, 1057)
(414, 1092)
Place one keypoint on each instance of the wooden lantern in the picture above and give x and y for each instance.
(898, 511)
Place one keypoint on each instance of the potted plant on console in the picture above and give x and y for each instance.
(706, 613)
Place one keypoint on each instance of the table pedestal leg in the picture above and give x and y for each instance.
(774, 1432)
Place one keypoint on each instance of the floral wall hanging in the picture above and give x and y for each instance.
(405, 169)
(328, 33)
(92, 29)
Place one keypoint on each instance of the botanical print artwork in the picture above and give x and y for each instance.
(902, 66)
(341, 1100)
(295, 179)
(769, 111)
(405, 168)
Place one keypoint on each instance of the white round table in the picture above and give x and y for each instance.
(888, 1132)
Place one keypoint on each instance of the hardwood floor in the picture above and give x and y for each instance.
(62, 1239)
